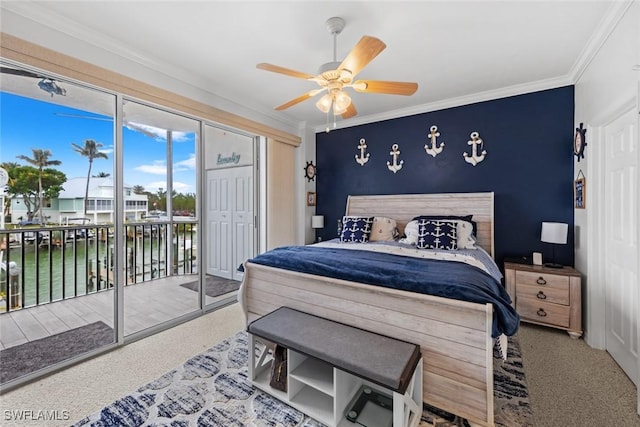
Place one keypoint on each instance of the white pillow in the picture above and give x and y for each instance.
(383, 230)
(465, 235)
(411, 232)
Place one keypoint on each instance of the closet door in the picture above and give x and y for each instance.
(219, 217)
(243, 218)
(621, 255)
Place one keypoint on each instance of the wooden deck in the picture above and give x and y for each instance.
(146, 304)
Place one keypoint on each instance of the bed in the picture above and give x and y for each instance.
(455, 336)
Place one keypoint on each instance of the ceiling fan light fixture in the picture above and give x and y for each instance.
(324, 103)
(341, 102)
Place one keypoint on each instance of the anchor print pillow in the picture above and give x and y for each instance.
(437, 234)
(356, 229)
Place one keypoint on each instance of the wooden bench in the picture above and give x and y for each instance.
(329, 362)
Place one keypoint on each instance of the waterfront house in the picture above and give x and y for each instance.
(69, 205)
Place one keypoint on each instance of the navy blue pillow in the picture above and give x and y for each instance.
(437, 234)
(356, 229)
(467, 218)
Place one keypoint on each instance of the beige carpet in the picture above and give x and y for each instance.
(570, 384)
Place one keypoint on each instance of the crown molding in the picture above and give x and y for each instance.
(598, 38)
(504, 92)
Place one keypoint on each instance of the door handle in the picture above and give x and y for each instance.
(541, 313)
(541, 295)
(541, 281)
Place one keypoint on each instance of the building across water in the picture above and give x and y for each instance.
(69, 204)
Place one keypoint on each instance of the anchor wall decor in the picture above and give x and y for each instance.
(395, 166)
(435, 148)
(362, 159)
(474, 159)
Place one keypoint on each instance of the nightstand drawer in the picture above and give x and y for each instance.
(542, 279)
(543, 293)
(540, 311)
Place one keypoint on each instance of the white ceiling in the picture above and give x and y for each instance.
(457, 51)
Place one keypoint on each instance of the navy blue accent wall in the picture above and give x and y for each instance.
(529, 165)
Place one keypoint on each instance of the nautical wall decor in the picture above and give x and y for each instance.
(395, 166)
(310, 171)
(580, 142)
(435, 149)
(474, 158)
(362, 159)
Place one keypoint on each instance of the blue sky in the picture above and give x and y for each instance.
(27, 123)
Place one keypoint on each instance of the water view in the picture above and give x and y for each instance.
(49, 269)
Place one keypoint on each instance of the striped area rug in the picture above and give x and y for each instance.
(211, 389)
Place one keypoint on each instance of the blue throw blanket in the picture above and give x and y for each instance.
(447, 279)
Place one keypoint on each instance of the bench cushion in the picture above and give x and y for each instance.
(380, 359)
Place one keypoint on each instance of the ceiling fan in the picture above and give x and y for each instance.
(47, 84)
(333, 77)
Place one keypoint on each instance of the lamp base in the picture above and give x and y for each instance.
(553, 265)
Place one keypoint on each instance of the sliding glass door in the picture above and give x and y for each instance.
(160, 239)
(230, 211)
(100, 228)
(56, 156)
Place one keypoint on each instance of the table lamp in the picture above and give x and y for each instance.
(556, 234)
(317, 222)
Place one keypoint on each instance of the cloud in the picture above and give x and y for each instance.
(187, 164)
(158, 167)
(158, 134)
(180, 187)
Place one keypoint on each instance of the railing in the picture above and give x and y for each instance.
(46, 264)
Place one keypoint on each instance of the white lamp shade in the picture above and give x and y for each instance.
(317, 221)
(554, 232)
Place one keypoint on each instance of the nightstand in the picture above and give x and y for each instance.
(546, 296)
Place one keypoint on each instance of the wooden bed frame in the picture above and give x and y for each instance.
(454, 336)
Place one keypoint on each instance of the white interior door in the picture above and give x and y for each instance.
(621, 242)
(230, 220)
(243, 218)
(219, 224)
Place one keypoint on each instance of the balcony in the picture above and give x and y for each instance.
(57, 279)
(48, 264)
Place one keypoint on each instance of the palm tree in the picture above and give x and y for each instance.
(90, 150)
(41, 160)
(102, 175)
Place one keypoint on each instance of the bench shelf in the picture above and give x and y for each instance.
(324, 391)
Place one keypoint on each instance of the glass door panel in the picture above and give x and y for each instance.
(161, 281)
(56, 154)
(229, 210)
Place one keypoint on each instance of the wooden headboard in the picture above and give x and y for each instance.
(404, 207)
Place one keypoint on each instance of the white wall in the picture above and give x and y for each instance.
(607, 87)
(307, 153)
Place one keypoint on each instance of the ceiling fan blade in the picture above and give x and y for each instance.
(379, 86)
(286, 71)
(351, 111)
(367, 48)
(299, 99)
(17, 72)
